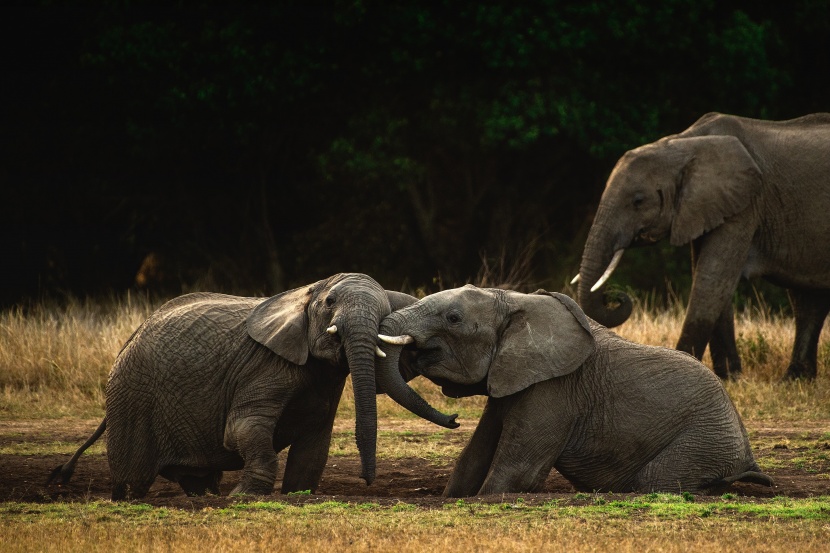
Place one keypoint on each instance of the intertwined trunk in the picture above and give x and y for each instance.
(360, 343)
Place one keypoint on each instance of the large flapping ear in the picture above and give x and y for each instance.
(399, 300)
(719, 180)
(280, 323)
(547, 336)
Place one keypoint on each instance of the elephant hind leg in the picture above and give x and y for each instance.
(253, 438)
(811, 308)
(680, 467)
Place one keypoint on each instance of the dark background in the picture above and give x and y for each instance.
(175, 146)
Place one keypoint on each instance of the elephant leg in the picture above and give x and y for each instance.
(308, 454)
(253, 437)
(811, 308)
(306, 460)
(725, 359)
(133, 459)
(718, 258)
(473, 464)
(533, 436)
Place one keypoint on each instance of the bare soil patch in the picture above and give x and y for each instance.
(798, 454)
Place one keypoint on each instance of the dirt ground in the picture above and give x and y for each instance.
(798, 457)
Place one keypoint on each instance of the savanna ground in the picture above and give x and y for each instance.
(54, 363)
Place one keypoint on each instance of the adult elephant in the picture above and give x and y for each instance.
(565, 392)
(211, 382)
(752, 197)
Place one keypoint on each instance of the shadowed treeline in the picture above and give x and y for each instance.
(252, 148)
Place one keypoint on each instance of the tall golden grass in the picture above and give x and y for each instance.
(54, 360)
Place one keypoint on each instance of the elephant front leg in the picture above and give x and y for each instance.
(473, 464)
(534, 434)
(309, 452)
(718, 259)
(811, 308)
(252, 437)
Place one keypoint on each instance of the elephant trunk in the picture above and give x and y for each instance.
(601, 249)
(359, 343)
(392, 383)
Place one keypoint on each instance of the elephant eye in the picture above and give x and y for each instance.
(330, 301)
(453, 318)
(639, 198)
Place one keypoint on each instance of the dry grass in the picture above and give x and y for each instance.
(54, 362)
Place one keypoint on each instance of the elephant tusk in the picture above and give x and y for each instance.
(607, 274)
(332, 329)
(575, 279)
(396, 340)
(379, 352)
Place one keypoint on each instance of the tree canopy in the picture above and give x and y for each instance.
(256, 147)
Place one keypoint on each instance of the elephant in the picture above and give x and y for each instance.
(212, 382)
(752, 198)
(564, 391)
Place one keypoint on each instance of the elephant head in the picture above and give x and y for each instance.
(676, 187)
(495, 342)
(337, 319)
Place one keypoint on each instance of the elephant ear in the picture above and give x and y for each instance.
(280, 323)
(547, 336)
(719, 180)
(399, 300)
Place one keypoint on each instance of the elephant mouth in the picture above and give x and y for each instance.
(424, 358)
(645, 238)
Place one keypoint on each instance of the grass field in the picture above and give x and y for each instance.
(53, 368)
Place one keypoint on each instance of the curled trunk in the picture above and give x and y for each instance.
(392, 383)
(608, 309)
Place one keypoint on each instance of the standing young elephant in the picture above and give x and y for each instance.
(752, 197)
(565, 392)
(213, 382)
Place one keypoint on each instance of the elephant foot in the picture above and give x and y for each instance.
(727, 371)
(255, 484)
(242, 489)
(799, 371)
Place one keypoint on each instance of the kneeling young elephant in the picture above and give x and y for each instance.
(211, 382)
(565, 392)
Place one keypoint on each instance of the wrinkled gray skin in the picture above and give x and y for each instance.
(213, 382)
(752, 197)
(565, 392)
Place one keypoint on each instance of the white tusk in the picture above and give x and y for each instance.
(332, 329)
(575, 279)
(379, 352)
(396, 340)
(607, 274)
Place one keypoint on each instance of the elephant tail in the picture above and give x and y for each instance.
(65, 471)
